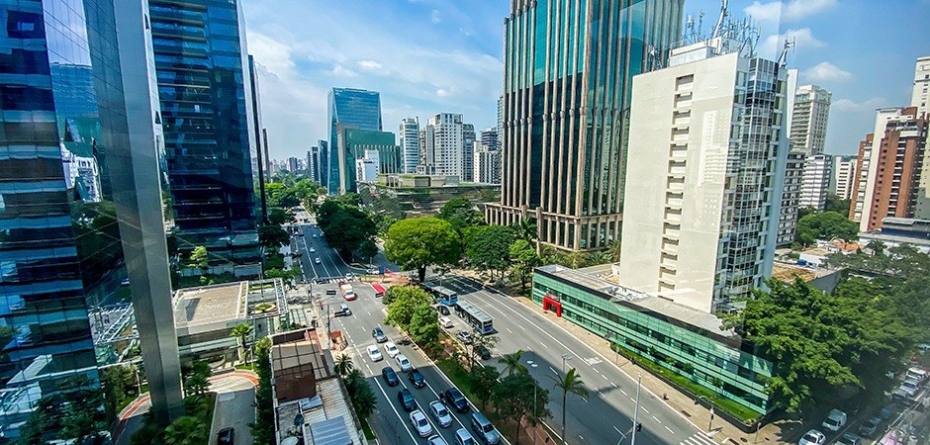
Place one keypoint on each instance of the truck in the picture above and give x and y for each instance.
(347, 292)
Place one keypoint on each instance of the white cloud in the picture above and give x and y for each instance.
(435, 17)
(341, 71)
(853, 106)
(826, 72)
(793, 10)
(803, 39)
(370, 65)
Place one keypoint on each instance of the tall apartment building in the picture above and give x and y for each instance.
(920, 97)
(468, 152)
(489, 139)
(818, 172)
(788, 217)
(809, 119)
(705, 174)
(313, 163)
(206, 107)
(63, 247)
(347, 108)
(890, 168)
(568, 68)
(443, 150)
(323, 164)
(487, 169)
(293, 164)
(409, 133)
(844, 174)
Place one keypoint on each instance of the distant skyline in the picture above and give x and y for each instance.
(432, 56)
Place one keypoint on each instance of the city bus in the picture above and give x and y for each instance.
(443, 295)
(475, 317)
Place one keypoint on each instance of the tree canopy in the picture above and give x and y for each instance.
(524, 259)
(489, 248)
(417, 243)
(461, 213)
(404, 303)
(345, 227)
(825, 225)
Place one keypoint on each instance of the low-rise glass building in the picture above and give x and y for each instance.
(686, 341)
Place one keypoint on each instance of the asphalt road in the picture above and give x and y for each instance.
(606, 416)
(235, 408)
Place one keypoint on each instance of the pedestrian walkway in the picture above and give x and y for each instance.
(699, 439)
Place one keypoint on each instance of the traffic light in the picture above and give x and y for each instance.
(639, 426)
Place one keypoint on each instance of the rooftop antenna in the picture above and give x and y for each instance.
(783, 58)
(720, 19)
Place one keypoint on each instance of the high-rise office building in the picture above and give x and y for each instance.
(889, 167)
(347, 108)
(206, 106)
(353, 144)
(844, 173)
(313, 164)
(788, 218)
(818, 172)
(468, 153)
(920, 97)
(809, 119)
(293, 164)
(568, 68)
(260, 154)
(442, 150)
(409, 133)
(705, 175)
(322, 167)
(75, 67)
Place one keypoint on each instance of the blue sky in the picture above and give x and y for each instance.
(431, 56)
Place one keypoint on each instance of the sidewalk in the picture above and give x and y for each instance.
(723, 432)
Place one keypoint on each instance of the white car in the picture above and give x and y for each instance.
(312, 250)
(404, 364)
(813, 437)
(391, 349)
(445, 322)
(440, 414)
(436, 440)
(316, 261)
(835, 420)
(419, 422)
(374, 353)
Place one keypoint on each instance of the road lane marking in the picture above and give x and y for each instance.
(615, 385)
(644, 409)
(669, 429)
(508, 330)
(657, 419)
(624, 392)
(401, 419)
(632, 399)
(553, 371)
(617, 429)
(544, 345)
(605, 377)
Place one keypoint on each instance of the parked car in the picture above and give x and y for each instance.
(454, 397)
(464, 337)
(483, 352)
(416, 378)
(390, 377)
(887, 411)
(848, 439)
(404, 364)
(463, 437)
(435, 439)
(407, 402)
(484, 429)
(226, 436)
(835, 420)
(916, 374)
(812, 437)
(908, 389)
(445, 322)
(440, 414)
(419, 422)
(391, 349)
(374, 353)
(870, 426)
(378, 335)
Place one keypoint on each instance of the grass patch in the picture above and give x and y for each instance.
(186, 282)
(735, 409)
(369, 434)
(246, 367)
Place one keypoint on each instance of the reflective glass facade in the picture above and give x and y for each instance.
(709, 359)
(348, 108)
(356, 142)
(203, 84)
(568, 70)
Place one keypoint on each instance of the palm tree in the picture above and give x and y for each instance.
(599, 257)
(526, 229)
(512, 363)
(186, 430)
(242, 332)
(365, 402)
(614, 248)
(344, 365)
(570, 383)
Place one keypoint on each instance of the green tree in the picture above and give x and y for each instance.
(263, 429)
(835, 204)
(347, 229)
(280, 195)
(614, 248)
(367, 250)
(364, 401)
(513, 363)
(461, 213)
(406, 301)
(526, 229)
(33, 432)
(81, 416)
(278, 216)
(273, 236)
(599, 257)
(199, 257)
(308, 191)
(826, 225)
(479, 340)
(116, 381)
(424, 326)
(186, 430)
(570, 383)
(242, 332)
(489, 249)
(518, 396)
(197, 380)
(524, 259)
(418, 243)
(483, 380)
(344, 365)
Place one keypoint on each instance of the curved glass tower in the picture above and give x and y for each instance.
(568, 71)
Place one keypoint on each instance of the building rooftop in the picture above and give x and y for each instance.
(787, 272)
(208, 308)
(641, 300)
(297, 362)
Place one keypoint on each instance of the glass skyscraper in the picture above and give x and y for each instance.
(568, 67)
(348, 108)
(203, 84)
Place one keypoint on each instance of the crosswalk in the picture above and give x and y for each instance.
(699, 439)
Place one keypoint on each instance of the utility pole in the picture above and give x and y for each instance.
(639, 384)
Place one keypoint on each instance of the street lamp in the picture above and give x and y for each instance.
(565, 357)
(710, 425)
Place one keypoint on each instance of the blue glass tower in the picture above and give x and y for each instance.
(348, 108)
(203, 84)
